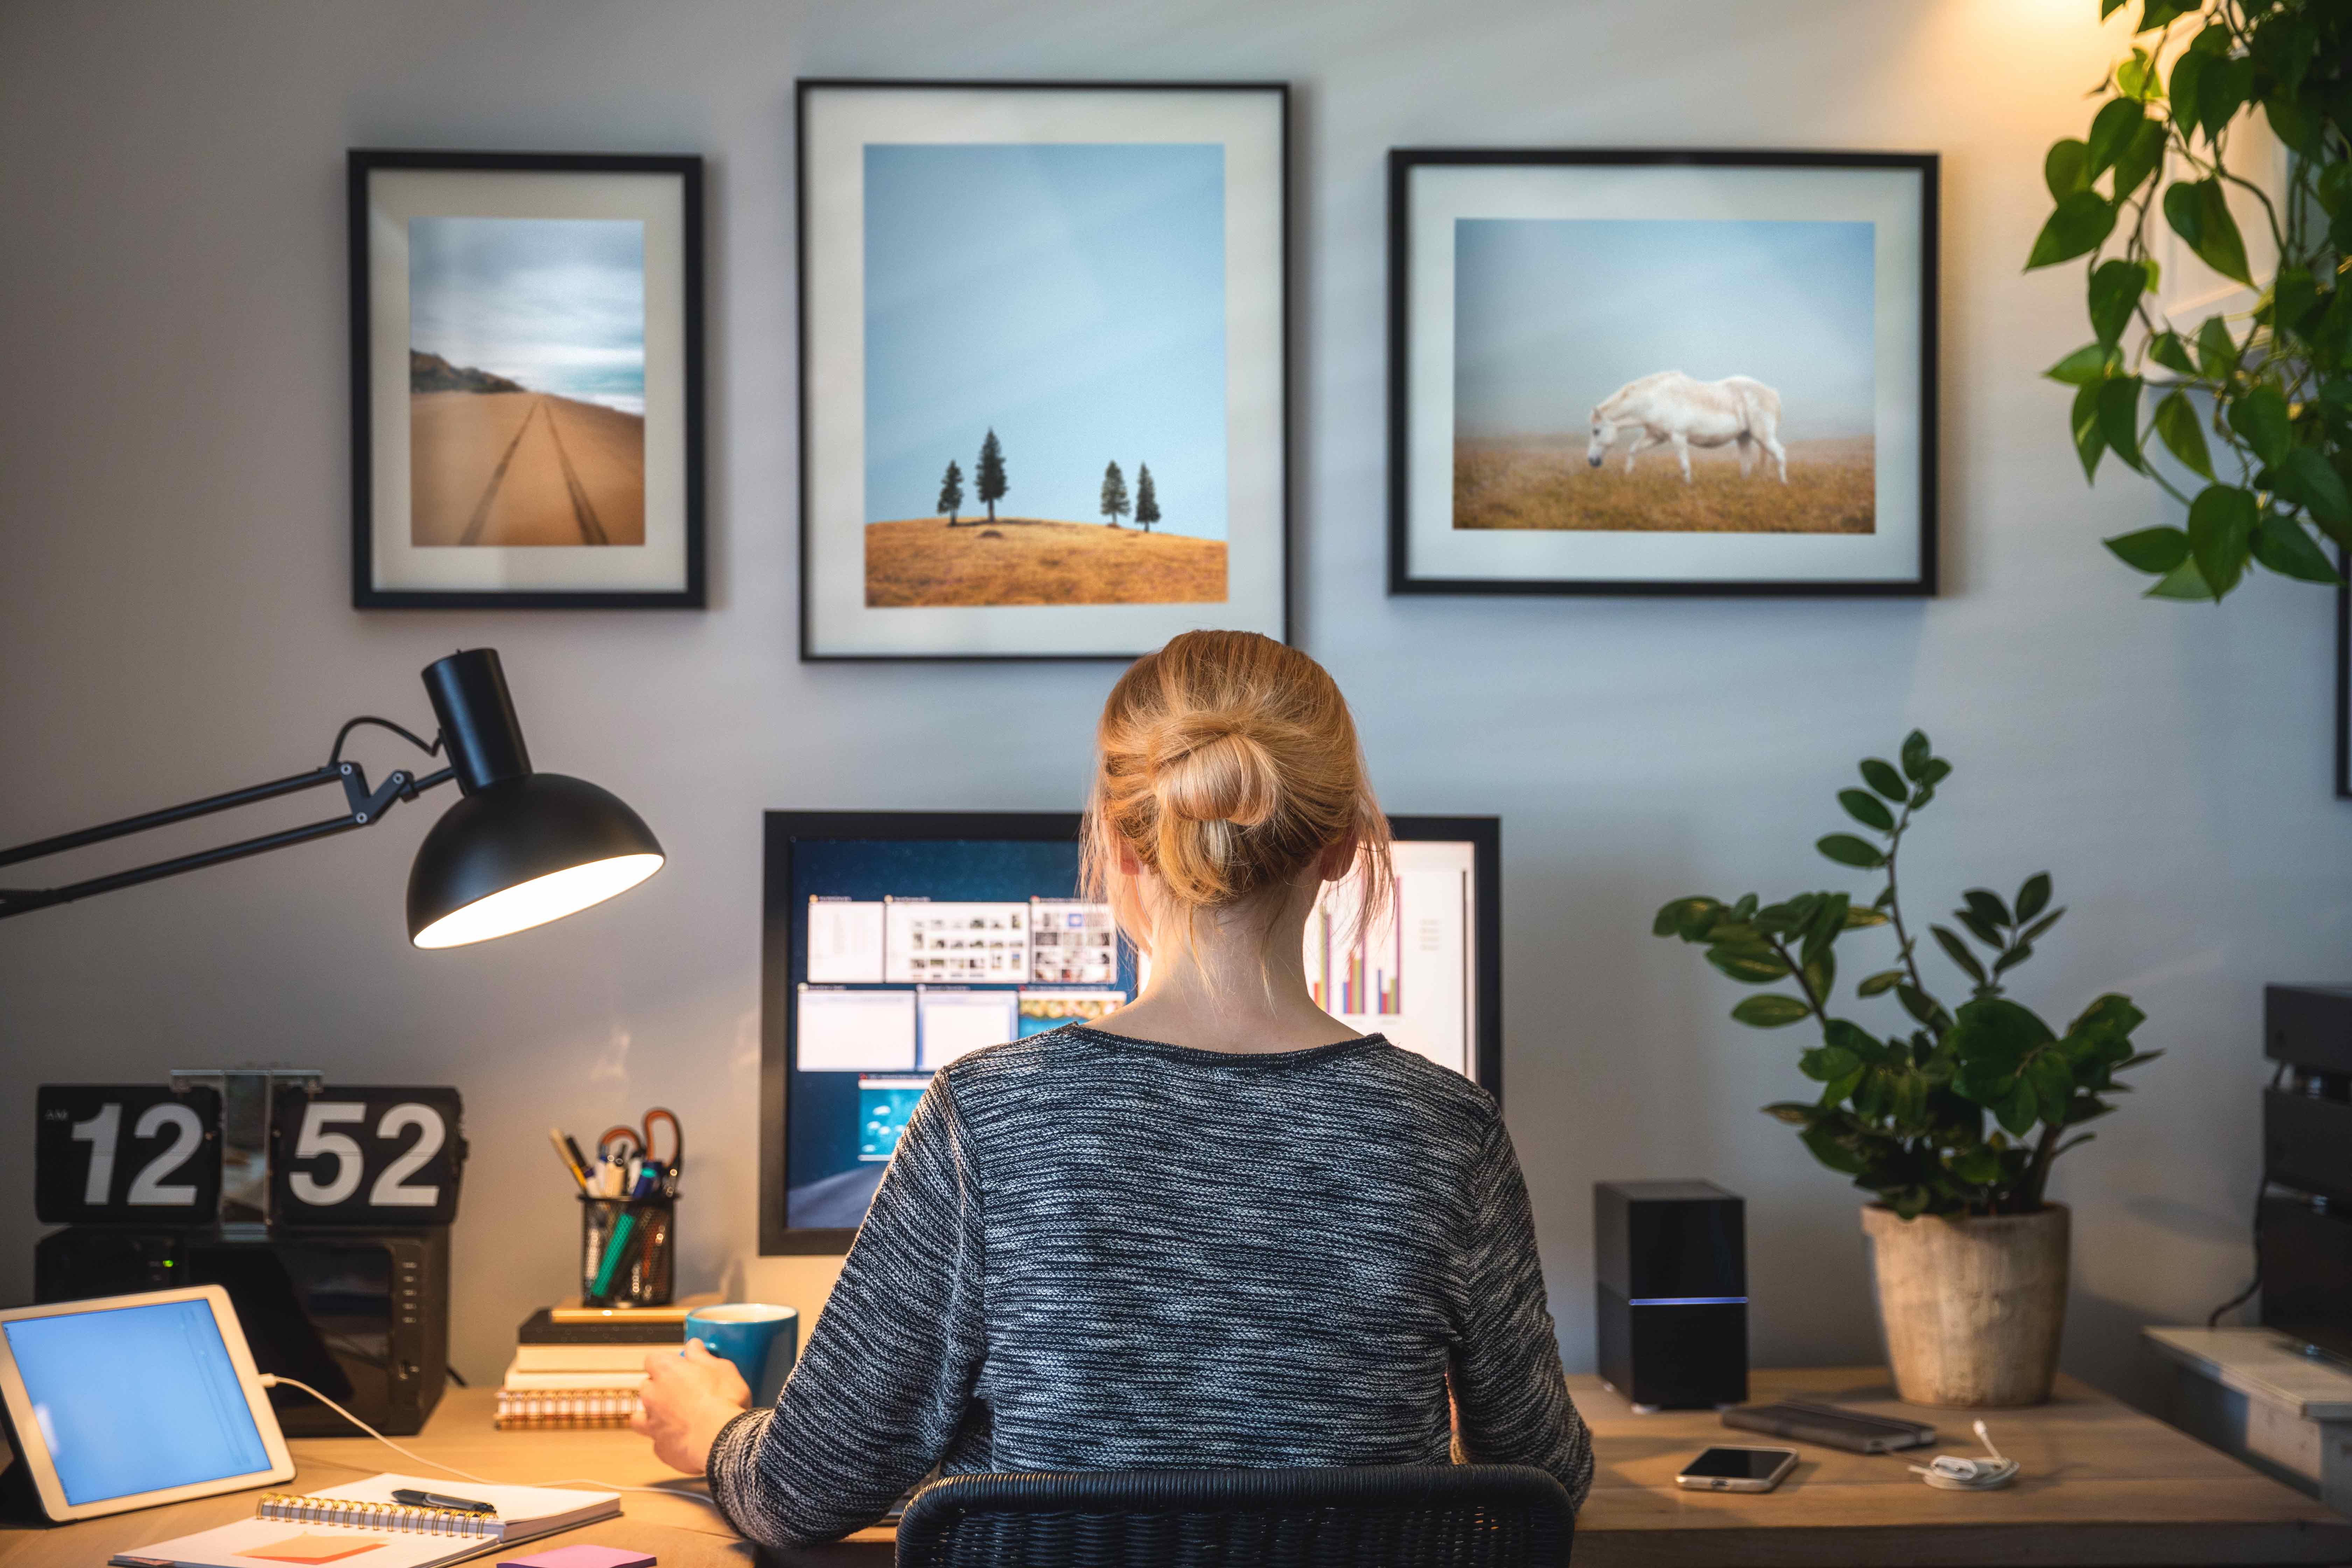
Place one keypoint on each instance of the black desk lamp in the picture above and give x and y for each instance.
(518, 850)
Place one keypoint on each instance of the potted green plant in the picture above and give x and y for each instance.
(1952, 1121)
(2256, 407)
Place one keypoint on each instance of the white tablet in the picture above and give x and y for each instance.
(129, 1401)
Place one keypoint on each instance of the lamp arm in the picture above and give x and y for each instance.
(364, 806)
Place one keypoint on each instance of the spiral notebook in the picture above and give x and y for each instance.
(360, 1526)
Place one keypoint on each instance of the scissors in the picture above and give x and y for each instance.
(639, 1140)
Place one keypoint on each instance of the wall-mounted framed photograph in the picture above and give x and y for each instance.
(1653, 371)
(526, 380)
(1043, 380)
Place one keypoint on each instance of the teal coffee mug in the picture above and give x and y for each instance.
(761, 1341)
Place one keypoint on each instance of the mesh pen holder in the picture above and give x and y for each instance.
(640, 1275)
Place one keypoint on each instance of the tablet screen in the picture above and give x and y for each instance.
(135, 1399)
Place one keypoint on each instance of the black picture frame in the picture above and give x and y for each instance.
(2344, 674)
(802, 88)
(366, 593)
(1404, 580)
(781, 829)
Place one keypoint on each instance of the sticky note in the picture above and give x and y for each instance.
(581, 1557)
(314, 1549)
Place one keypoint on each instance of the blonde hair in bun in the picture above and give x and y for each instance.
(1228, 763)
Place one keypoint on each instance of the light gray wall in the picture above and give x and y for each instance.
(174, 616)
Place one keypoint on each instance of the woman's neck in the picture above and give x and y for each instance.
(1232, 984)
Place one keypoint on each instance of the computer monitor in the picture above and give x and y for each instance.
(896, 942)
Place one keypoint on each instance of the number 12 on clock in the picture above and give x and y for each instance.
(125, 1153)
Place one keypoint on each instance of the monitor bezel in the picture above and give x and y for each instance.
(24, 1432)
(782, 830)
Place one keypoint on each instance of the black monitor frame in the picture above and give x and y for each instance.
(782, 828)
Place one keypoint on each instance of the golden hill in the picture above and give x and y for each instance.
(1036, 561)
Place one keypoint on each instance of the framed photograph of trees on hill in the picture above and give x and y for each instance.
(1668, 372)
(526, 380)
(1043, 387)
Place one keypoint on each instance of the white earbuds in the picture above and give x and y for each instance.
(1964, 1473)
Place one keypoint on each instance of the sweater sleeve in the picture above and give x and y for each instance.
(887, 1376)
(1508, 1386)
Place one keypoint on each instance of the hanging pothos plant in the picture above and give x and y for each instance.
(2258, 406)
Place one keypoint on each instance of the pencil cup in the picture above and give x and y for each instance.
(626, 1251)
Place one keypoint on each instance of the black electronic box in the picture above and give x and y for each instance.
(1671, 1271)
(2303, 1235)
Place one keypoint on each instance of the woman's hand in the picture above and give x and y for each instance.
(686, 1400)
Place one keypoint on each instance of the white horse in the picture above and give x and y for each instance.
(1672, 407)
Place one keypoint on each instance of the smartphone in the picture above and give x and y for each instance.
(1730, 1470)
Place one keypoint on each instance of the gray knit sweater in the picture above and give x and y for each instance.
(1097, 1253)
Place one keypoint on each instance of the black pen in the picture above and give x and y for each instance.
(436, 1499)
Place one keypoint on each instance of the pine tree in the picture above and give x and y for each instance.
(1147, 500)
(989, 476)
(951, 492)
(1114, 496)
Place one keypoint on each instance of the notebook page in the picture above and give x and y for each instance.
(276, 1544)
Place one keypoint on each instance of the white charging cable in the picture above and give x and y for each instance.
(1963, 1473)
(272, 1380)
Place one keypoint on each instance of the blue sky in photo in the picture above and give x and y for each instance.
(1552, 315)
(558, 304)
(1072, 297)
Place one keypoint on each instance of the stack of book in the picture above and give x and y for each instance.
(582, 1366)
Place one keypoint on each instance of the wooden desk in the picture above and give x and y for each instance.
(2103, 1485)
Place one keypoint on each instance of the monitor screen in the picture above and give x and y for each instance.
(136, 1399)
(899, 941)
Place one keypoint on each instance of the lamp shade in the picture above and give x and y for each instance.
(520, 852)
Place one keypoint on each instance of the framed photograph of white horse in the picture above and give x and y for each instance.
(1633, 372)
(1043, 392)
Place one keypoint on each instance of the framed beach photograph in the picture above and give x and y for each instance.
(1043, 387)
(1618, 372)
(526, 380)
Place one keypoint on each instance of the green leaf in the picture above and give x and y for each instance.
(1957, 952)
(2176, 420)
(2033, 932)
(2280, 544)
(2183, 582)
(1827, 1148)
(1675, 918)
(1859, 915)
(1878, 984)
(1867, 809)
(2111, 132)
(1847, 850)
(2292, 293)
(1821, 972)
(2135, 77)
(2217, 351)
(2091, 362)
(2016, 1113)
(1750, 963)
(2220, 534)
(2295, 122)
(2159, 11)
(2119, 417)
(2089, 435)
(2184, 436)
(2153, 550)
(1882, 777)
(1918, 752)
(2166, 349)
(2033, 896)
(2305, 478)
(2138, 159)
(2188, 74)
(1794, 1112)
(1980, 927)
(1822, 1063)
(1921, 1006)
(2225, 88)
(2114, 290)
(1988, 906)
(1771, 1010)
(2067, 169)
(2080, 221)
(2260, 417)
(2011, 958)
(2109, 7)
(2199, 214)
